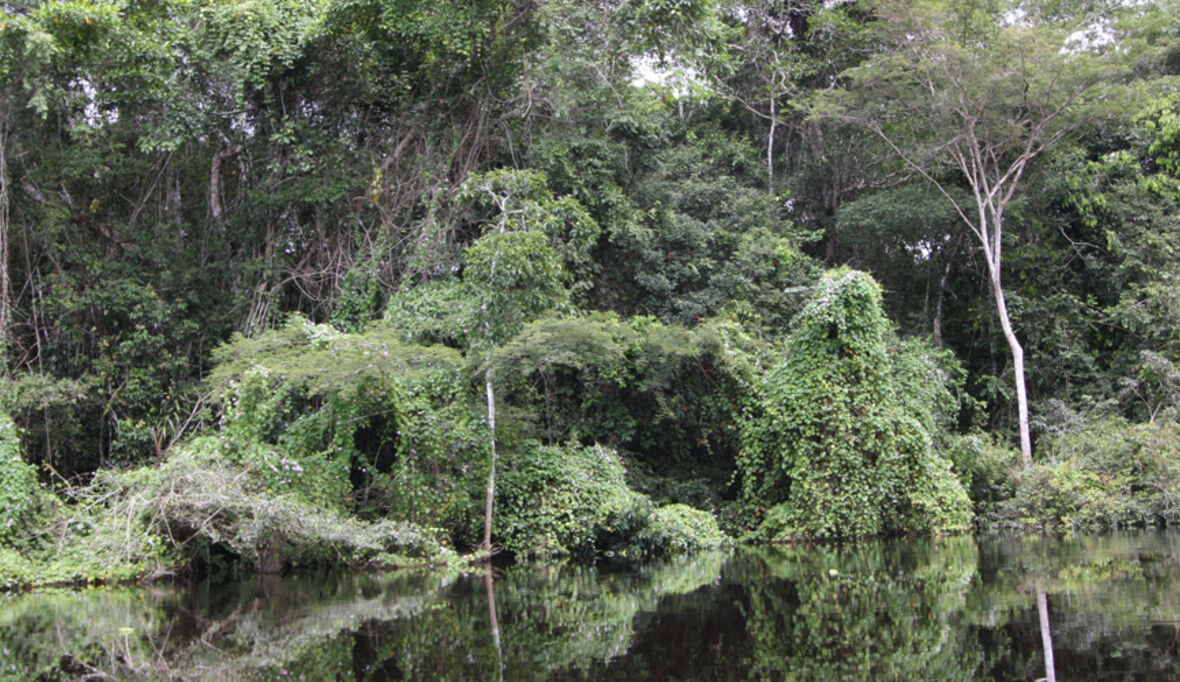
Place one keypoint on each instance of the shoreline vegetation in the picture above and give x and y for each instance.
(354, 450)
(371, 284)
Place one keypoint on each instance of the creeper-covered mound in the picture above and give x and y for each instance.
(838, 448)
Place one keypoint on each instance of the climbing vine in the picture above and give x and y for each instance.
(833, 452)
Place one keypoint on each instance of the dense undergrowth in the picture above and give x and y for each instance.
(624, 438)
(618, 438)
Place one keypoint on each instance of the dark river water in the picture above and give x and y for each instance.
(984, 608)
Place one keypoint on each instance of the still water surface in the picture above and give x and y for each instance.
(948, 609)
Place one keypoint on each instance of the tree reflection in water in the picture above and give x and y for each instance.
(951, 608)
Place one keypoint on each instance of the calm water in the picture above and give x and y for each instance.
(946, 609)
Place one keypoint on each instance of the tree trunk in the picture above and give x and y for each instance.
(215, 208)
(946, 274)
(491, 492)
(770, 147)
(493, 621)
(5, 302)
(1046, 636)
(991, 232)
(1017, 367)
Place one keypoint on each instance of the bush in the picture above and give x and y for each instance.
(575, 501)
(18, 483)
(1106, 474)
(196, 500)
(985, 469)
(839, 447)
(557, 501)
(356, 422)
(680, 529)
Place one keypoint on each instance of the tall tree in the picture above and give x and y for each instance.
(513, 274)
(970, 94)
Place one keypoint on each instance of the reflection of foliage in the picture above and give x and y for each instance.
(56, 634)
(553, 619)
(934, 608)
(866, 612)
(1117, 576)
(126, 633)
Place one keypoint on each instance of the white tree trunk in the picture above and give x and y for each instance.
(1017, 368)
(5, 296)
(490, 497)
(494, 621)
(990, 232)
(770, 144)
(1046, 636)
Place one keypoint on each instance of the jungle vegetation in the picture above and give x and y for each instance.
(381, 282)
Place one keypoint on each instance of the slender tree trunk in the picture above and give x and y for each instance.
(990, 232)
(946, 274)
(1046, 636)
(491, 491)
(770, 145)
(1018, 369)
(5, 293)
(493, 621)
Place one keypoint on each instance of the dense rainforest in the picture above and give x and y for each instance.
(383, 282)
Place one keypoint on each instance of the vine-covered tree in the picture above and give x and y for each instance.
(840, 448)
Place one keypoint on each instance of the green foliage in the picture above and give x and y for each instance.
(561, 501)
(669, 398)
(556, 501)
(252, 40)
(680, 529)
(985, 470)
(1105, 474)
(507, 200)
(18, 484)
(360, 296)
(434, 312)
(513, 277)
(620, 258)
(834, 450)
(344, 421)
(690, 230)
(198, 499)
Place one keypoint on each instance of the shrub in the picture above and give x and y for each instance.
(197, 500)
(985, 469)
(575, 501)
(354, 422)
(18, 483)
(680, 529)
(1109, 473)
(556, 501)
(838, 448)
